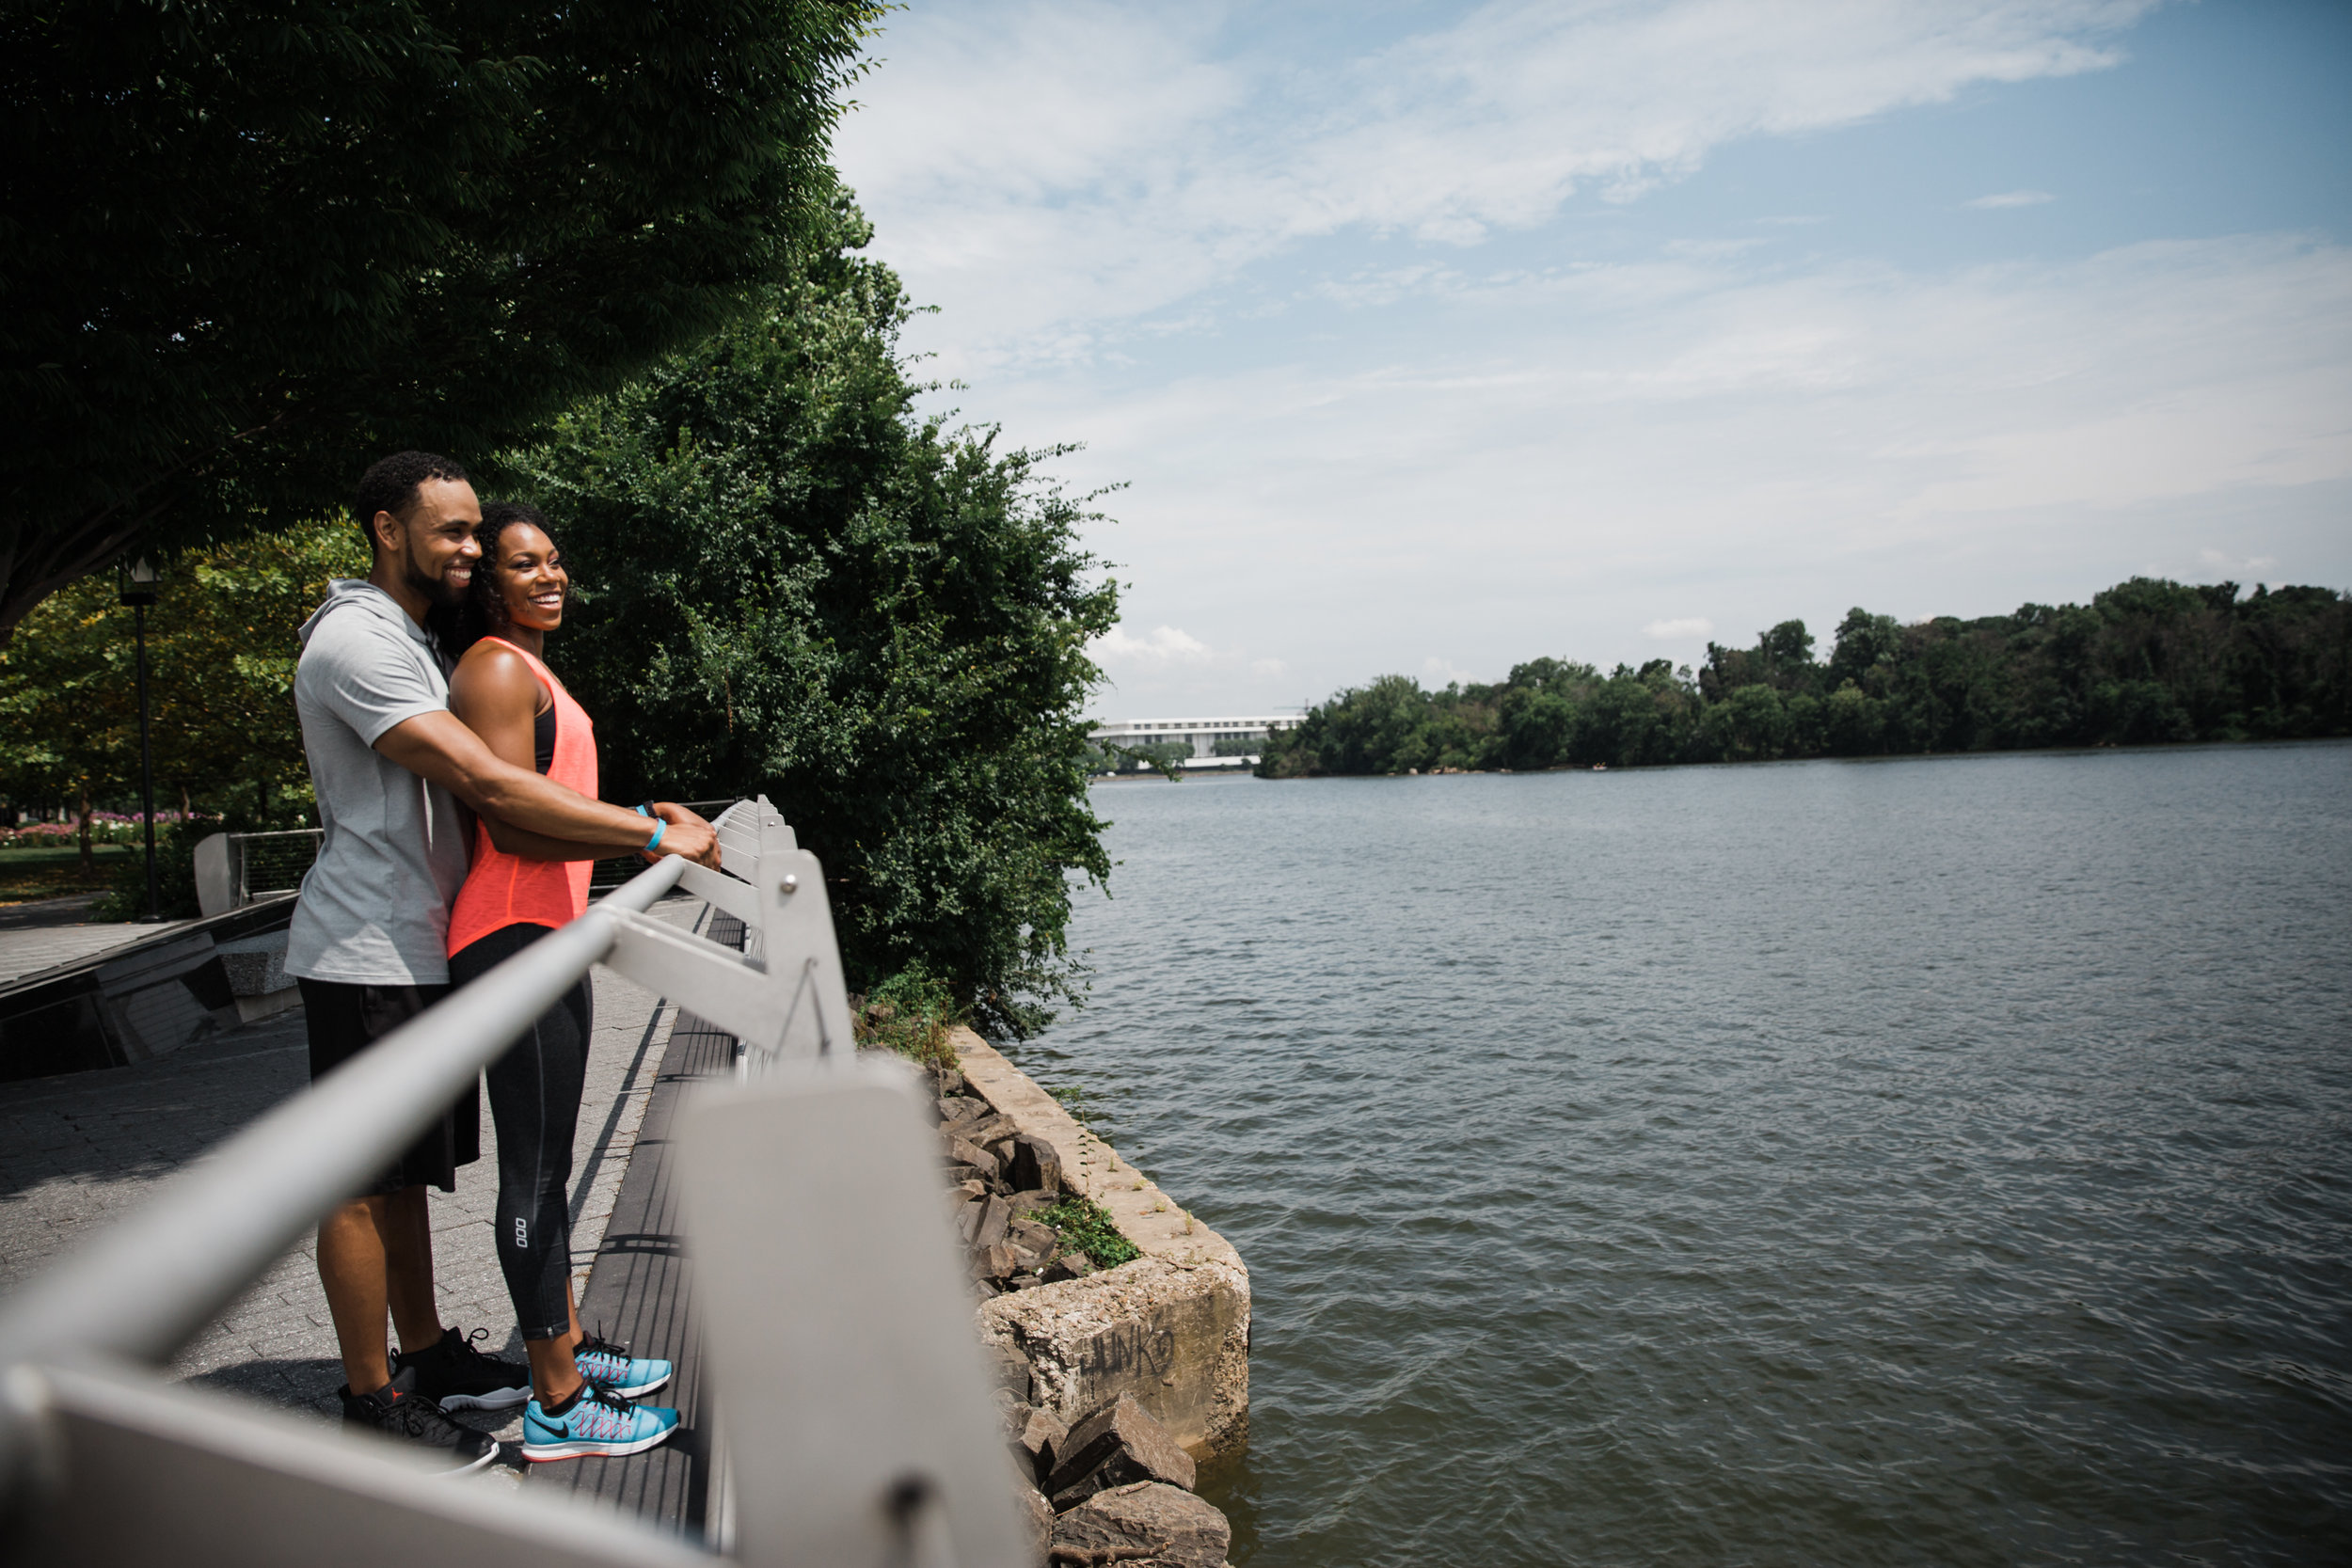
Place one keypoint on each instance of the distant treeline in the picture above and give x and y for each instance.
(2146, 662)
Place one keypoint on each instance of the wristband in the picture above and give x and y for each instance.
(659, 830)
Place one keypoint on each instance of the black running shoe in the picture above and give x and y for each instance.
(455, 1376)
(397, 1410)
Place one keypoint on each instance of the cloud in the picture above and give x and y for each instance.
(1438, 672)
(2217, 560)
(1684, 630)
(2012, 198)
(1766, 442)
(1049, 173)
(1266, 669)
(1164, 646)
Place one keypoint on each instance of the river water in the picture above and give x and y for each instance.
(1930, 1161)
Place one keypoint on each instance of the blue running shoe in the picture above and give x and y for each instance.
(598, 1422)
(600, 1360)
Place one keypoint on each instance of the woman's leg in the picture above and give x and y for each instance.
(534, 1103)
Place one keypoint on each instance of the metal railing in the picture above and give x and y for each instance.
(234, 869)
(852, 1405)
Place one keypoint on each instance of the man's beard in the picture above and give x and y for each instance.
(439, 590)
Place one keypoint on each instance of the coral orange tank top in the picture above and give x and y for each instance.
(505, 890)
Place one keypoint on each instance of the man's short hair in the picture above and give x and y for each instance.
(391, 485)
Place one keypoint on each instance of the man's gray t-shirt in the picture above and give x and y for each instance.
(374, 909)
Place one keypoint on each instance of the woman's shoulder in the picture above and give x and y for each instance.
(493, 668)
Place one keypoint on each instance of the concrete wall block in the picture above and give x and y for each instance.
(1175, 1337)
(1171, 1328)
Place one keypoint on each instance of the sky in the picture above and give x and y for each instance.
(1433, 338)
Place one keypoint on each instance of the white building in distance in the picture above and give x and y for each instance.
(1202, 734)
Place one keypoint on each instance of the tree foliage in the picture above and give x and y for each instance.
(246, 247)
(2145, 661)
(793, 583)
(220, 650)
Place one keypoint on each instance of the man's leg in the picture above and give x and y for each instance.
(408, 1230)
(352, 1268)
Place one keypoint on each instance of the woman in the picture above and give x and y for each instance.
(520, 887)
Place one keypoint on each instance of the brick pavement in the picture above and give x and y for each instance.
(79, 1149)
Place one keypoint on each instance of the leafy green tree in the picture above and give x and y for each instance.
(2145, 661)
(221, 651)
(793, 583)
(246, 246)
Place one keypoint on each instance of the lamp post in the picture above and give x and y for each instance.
(138, 591)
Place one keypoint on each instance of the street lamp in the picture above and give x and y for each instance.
(138, 591)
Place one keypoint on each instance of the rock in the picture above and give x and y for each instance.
(1008, 1370)
(962, 1153)
(989, 1128)
(1025, 1282)
(1147, 1522)
(1025, 1258)
(950, 1082)
(1039, 1432)
(966, 1110)
(993, 1224)
(968, 1218)
(1070, 1265)
(1037, 1522)
(1115, 1446)
(992, 1263)
(1029, 1203)
(1035, 1167)
(1043, 1240)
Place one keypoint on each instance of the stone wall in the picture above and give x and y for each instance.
(1170, 1328)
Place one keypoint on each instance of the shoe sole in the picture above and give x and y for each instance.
(468, 1469)
(590, 1447)
(496, 1399)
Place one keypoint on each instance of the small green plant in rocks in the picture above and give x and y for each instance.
(1087, 1226)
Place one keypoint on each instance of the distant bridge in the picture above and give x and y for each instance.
(1200, 734)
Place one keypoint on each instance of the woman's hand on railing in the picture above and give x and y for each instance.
(686, 834)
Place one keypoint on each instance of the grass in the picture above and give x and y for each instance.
(54, 870)
(909, 1013)
(1087, 1226)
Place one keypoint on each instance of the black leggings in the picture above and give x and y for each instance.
(534, 1104)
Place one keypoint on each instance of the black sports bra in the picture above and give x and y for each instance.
(543, 738)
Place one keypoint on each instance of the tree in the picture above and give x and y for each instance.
(792, 583)
(2145, 661)
(246, 247)
(221, 650)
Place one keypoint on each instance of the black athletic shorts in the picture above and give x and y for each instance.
(345, 1020)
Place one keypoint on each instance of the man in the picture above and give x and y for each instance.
(390, 763)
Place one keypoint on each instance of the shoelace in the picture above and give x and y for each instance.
(463, 1351)
(601, 1413)
(596, 1347)
(418, 1417)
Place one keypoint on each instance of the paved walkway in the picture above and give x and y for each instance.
(80, 1149)
(51, 931)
